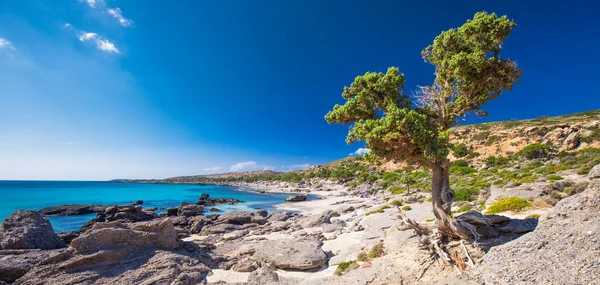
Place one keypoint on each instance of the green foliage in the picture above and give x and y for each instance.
(460, 150)
(533, 216)
(508, 204)
(465, 194)
(553, 178)
(345, 266)
(583, 171)
(536, 151)
(429, 220)
(397, 203)
(460, 163)
(362, 256)
(464, 208)
(461, 170)
(496, 160)
(421, 201)
(406, 208)
(469, 72)
(376, 251)
(378, 211)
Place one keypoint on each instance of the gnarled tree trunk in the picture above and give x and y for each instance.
(442, 197)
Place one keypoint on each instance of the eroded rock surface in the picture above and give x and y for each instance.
(564, 248)
(117, 253)
(26, 229)
(301, 254)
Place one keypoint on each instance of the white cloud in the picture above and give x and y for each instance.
(212, 169)
(101, 43)
(361, 151)
(4, 43)
(105, 45)
(67, 26)
(243, 166)
(83, 36)
(117, 14)
(93, 3)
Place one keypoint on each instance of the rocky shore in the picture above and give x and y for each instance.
(339, 238)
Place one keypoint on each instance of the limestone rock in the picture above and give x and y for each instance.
(594, 172)
(563, 249)
(189, 210)
(572, 141)
(263, 276)
(15, 263)
(296, 198)
(26, 229)
(72, 210)
(117, 253)
(317, 220)
(300, 254)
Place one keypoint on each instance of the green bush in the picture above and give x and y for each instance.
(397, 202)
(460, 163)
(508, 204)
(460, 150)
(533, 216)
(378, 211)
(465, 194)
(553, 178)
(376, 251)
(345, 266)
(583, 171)
(496, 160)
(461, 170)
(429, 220)
(362, 256)
(406, 208)
(464, 208)
(421, 201)
(535, 151)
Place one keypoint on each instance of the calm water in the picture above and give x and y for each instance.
(35, 195)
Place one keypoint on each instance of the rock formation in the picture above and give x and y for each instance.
(26, 229)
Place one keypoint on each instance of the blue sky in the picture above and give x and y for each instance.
(148, 89)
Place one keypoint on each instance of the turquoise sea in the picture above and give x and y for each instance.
(35, 195)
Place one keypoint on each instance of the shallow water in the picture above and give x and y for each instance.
(35, 195)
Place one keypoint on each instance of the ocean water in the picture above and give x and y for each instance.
(35, 195)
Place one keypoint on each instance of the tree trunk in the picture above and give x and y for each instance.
(442, 197)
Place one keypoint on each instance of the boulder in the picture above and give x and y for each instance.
(220, 229)
(317, 220)
(296, 198)
(137, 236)
(563, 249)
(118, 253)
(594, 172)
(279, 216)
(263, 276)
(189, 210)
(514, 226)
(26, 229)
(124, 213)
(572, 141)
(203, 197)
(244, 265)
(172, 211)
(300, 254)
(72, 210)
(244, 217)
(344, 209)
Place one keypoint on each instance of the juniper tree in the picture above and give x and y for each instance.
(469, 72)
